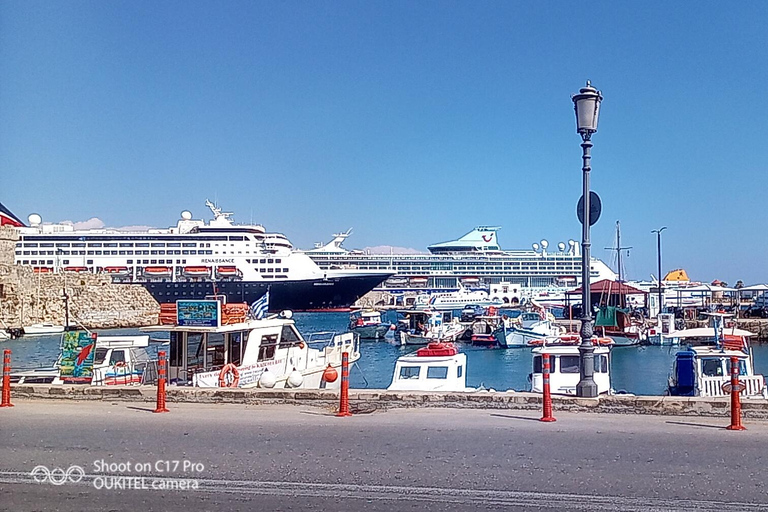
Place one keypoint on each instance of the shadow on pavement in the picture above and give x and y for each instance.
(688, 424)
(514, 417)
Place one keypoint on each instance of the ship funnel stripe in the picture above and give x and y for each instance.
(9, 219)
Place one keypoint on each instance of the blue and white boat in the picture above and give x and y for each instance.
(532, 326)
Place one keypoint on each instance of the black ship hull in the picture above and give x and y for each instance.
(319, 294)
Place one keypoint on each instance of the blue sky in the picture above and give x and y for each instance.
(411, 122)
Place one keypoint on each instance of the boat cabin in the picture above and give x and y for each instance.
(436, 367)
(206, 351)
(564, 369)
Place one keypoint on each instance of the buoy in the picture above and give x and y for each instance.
(330, 374)
(295, 379)
(267, 379)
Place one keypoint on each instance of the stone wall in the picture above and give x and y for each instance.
(94, 301)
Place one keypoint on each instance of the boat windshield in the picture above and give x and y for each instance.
(719, 367)
(98, 358)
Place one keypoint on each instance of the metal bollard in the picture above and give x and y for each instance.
(344, 395)
(547, 401)
(6, 399)
(735, 388)
(162, 362)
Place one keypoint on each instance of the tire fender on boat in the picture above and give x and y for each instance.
(229, 382)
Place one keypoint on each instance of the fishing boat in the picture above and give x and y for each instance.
(529, 326)
(436, 367)
(367, 325)
(211, 349)
(420, 327)
(565, 366)
(704, 369)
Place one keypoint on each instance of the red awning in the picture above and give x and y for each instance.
(608, 287)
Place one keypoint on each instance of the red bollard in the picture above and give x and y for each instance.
(344, 395)
(161, 382)
(547, 395)
(736, 388)
(6, 400)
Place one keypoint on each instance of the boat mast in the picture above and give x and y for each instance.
(618, 250)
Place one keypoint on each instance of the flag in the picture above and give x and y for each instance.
(260, 307)
(9, 219)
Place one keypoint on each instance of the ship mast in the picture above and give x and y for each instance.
(618, 250)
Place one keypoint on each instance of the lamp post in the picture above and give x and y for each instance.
(658, 258)
(587, 107)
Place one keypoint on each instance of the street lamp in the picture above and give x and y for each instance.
(587, 106)
(658, 257)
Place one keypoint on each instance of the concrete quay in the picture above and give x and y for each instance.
(369, 400)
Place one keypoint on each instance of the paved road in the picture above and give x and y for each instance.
(289, 458)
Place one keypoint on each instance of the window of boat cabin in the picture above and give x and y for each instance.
(117, 356)
(601, 363)
(410, 372)
(437, 372)
(195, 349)
(215, 350)
(459, 371)
(712, 367)
(569, 364)
(98, 358)
(289, 337)
(537, 368)
(267, 347)
(236, 346)
(176, 358)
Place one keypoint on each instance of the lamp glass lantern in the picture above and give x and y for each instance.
(587, 106)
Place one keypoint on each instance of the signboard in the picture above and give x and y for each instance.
(77, 352)
(198, 313)
(595, 208)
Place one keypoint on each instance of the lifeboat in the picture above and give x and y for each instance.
(470, 280)
(43, 270)
(157, 271)
(419, 281)
(117, 271)
(75, 269)
(227, 271)
(197, 271)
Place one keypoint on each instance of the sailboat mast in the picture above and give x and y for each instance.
(618, 247)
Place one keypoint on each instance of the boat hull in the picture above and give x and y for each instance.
(307, 295)
(371, 332)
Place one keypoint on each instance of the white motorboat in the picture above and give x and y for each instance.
(436, 367)
(367, 325)
(456, 300)
(419, 327)
(87, 358)
(208, 349)
(564, 367)
(42, 329)
(529, 326)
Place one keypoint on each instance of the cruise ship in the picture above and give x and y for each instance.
(474, 260)
(196, 259)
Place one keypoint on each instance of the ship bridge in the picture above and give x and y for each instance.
(480, 239)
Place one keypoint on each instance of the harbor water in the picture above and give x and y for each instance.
(639, 370)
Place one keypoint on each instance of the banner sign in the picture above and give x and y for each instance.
(198, 313)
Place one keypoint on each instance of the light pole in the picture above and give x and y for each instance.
(587, 107)
(658, 258)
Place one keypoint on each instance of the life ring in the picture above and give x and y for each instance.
(120, 364)
(229, 382)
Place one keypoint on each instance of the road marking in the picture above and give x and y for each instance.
(540, 500)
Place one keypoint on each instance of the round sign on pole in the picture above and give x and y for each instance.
(595, 208)
(727, 387)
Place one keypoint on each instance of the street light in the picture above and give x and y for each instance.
(587, 106)
(658, 257)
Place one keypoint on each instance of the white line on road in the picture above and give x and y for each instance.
(540, 500)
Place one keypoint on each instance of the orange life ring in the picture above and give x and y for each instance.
(536, 343)
(233, 381)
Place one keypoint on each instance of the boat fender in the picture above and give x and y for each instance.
(229, 376)
(301, 344)
(267, 379)
(330, 374)
(295, 379)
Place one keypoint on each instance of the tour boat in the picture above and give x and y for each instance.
(565, 364)
(456, 300)
(367, 325)
(436, 367)
(197, 271)
(530, 325)
(207, 351)
(420, 327)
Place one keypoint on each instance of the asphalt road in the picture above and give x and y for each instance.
(290, 458)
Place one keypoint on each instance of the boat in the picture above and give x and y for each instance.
(97, 360)
(76, 269)
(367, 325)
(206, 350)
(475, 255)
(248, 261)
(420, 327)
(565, 364)
(436, 367)
(196, 271)
(42, 329)
(529, 326)
(704, 370)
(456, 300)
(665, 331)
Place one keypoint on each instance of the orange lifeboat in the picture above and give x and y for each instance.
(75, 269)
(117, 271)
(197, 271)
(227, 271)
(157, 271)
(43, 270)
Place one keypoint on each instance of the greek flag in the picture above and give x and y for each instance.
(260, 307)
